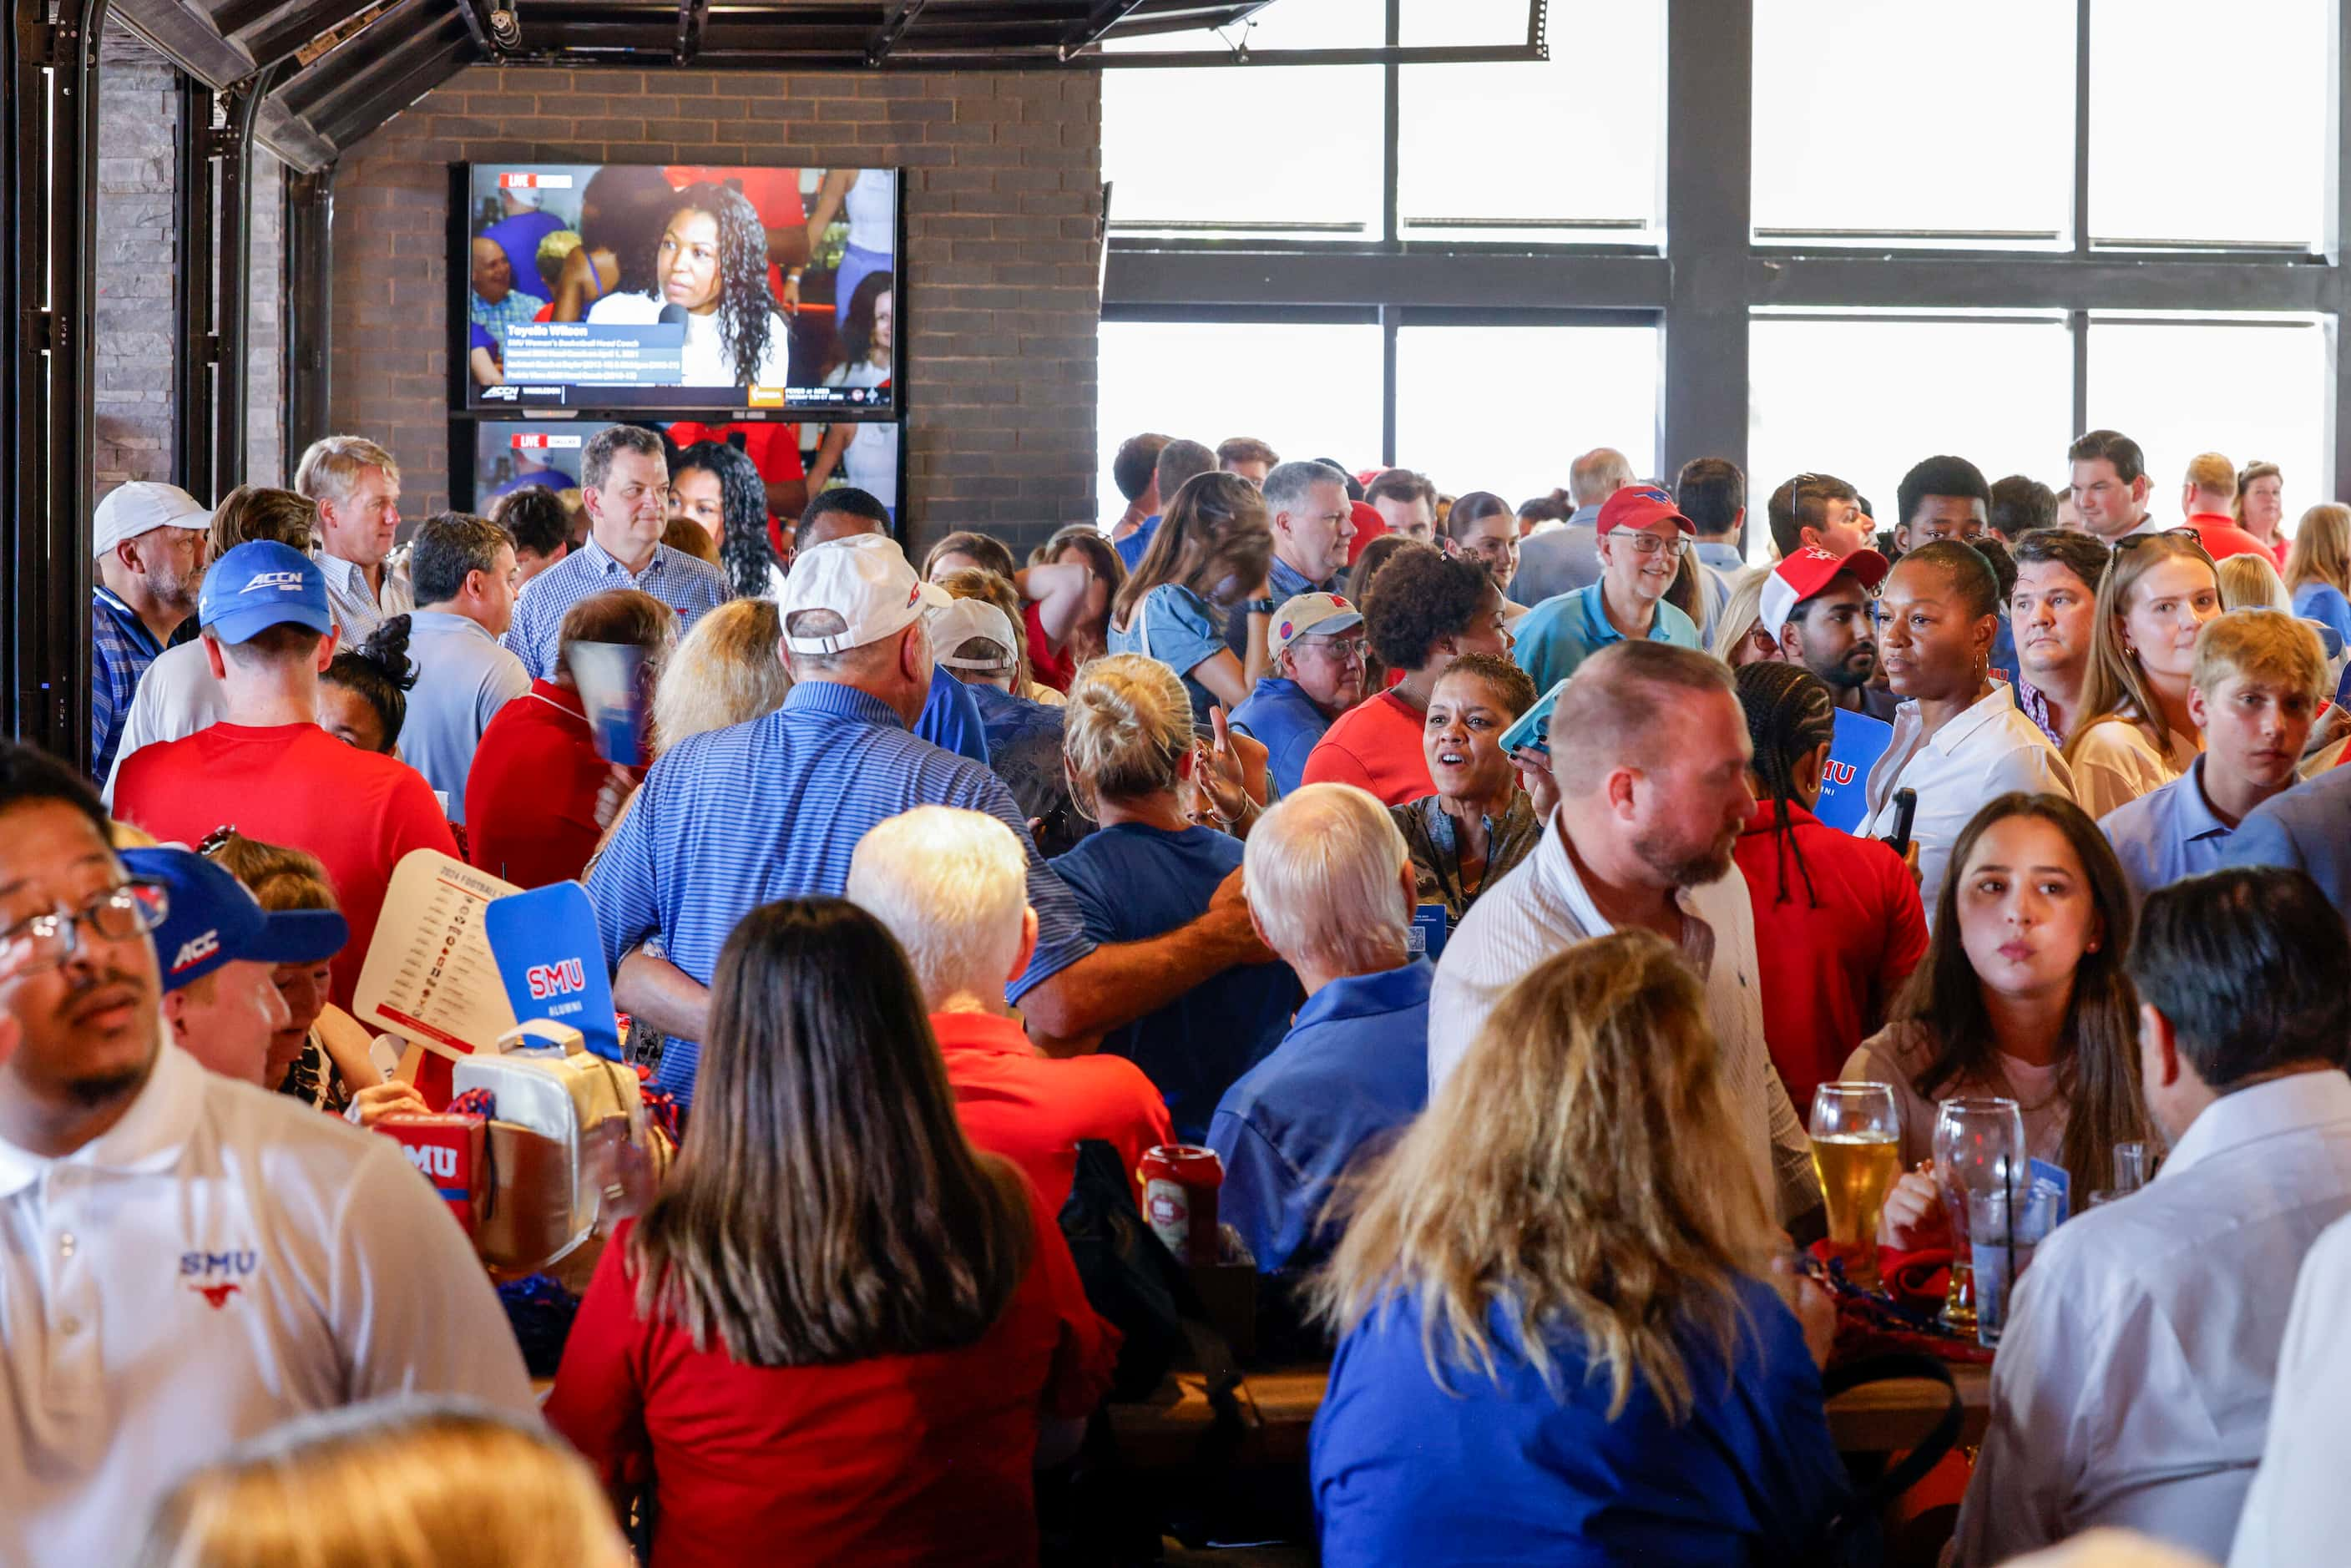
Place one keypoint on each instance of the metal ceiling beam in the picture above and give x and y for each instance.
(352, 122)
(894, 22)
(1105, 15)
(692, 17)
(347, 69)
(184, 37)
(287, 36)
(477, 26)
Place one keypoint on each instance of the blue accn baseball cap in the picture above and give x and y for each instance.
(261, 585)
(212, 920)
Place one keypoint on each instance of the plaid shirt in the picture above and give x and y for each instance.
(496, 319)
(357, 609)
(121, 649)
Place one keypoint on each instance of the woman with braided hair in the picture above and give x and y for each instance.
(1839, 915)
(711, 259)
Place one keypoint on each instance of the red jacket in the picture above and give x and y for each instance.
(1839, 926)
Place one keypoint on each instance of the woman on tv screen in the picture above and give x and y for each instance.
(712, 260)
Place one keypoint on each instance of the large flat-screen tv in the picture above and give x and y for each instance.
(636, 289)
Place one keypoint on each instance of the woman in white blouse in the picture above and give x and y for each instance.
(2134, 732)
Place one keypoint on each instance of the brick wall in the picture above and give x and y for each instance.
(998, 340)
(138, 125)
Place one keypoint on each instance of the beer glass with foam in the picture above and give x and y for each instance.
(1858, 1150)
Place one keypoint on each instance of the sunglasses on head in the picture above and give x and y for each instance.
(2186, 535)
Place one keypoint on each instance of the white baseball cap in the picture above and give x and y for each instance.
(965, 619)
(132, 509)
(864, 579)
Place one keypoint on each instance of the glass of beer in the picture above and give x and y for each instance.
(1857, 1149)
(1978, 1149)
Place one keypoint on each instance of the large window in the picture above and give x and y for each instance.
(1311, 389)
(2249, 388)
(1504, 408)
(1891, 122)
(2208, 121)
(1865, 399)
(1829, 234)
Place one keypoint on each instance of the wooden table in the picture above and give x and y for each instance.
(1277, 1407)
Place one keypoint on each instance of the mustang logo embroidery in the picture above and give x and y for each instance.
(216, 1296)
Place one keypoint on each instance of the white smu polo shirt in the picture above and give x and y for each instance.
(219, 1260)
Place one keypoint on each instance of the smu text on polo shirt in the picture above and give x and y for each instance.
(774, 808)
(692, 588)
(219, 1261)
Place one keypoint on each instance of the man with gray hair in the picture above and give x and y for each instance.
(952, 886)
(1564, 560)
(1653, 794)
(355, 485)
(624, 488)
(1331, 888)
(465, 573)
(1306, 506)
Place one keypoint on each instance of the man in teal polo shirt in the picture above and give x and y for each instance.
(1642, 535)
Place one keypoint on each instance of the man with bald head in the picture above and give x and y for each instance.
(1567, 559)
(950, 718)
(1653, 794)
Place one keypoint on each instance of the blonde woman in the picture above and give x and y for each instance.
(2318, 569)
(2248, 582)
(2134, 732)
(1563, 1334)
(1739, 635)
(394, 1484)
(1136, 767)
(729, 670)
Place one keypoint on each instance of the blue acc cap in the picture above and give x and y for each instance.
(261, 585)
(212, 920)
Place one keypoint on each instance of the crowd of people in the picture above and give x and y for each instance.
(1490, 888)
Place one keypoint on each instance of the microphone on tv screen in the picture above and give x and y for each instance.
(672, 315)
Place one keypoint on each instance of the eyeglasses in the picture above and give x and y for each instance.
(125, 910)
(1346, 650)
(1650, 544)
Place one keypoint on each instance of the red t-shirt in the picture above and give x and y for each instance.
(1375, 745)
(2221, 537)
(295, 785)
(896, 1459)
(531, 800)
(1834, 952)
(1047, 668)
(1033, 1109)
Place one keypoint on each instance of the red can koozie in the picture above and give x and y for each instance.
(1179, 1185)
(446, 1150)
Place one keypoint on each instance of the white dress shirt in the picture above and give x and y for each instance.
(358, 609)
(2299, 1511)
(2133, 1383)
(1539, 908)
(219, 1260)
(1985, 751)
(178, 695)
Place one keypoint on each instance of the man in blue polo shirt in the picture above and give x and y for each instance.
(624, 487)
(149, 544)
(2253, 694)
(1331, 888)
(1314, 645)
(1313, 521)
(1641, 535)
(774, 808)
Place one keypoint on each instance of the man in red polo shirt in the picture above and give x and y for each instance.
(2208, 495)
(952, 886)
(267, 770)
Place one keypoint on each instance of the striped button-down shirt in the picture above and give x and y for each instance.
(1541, 909)
(773, 808)
(121, 649)
(358, 609)
(688, 586)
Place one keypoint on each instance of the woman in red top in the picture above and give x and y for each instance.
(1426, 610)
(1837, 916)
(1068, 596)
(837, 1334)
(540, 795)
